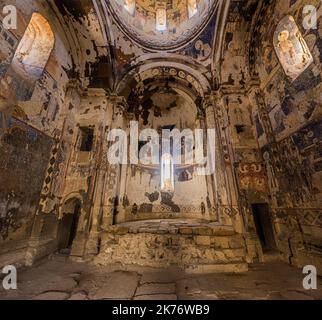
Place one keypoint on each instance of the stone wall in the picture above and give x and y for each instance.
(228, 77)
(46, 113)
(194, 246)
(274, 125)
(24, 158)
(290, 138)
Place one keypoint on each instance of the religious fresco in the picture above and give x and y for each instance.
(291, 72)
(291, 48)
(248, 69)
(24, 157)
(158, 22)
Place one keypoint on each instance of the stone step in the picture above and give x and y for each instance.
(232, 267)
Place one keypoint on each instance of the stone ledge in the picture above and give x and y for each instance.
(172, 226)
(154, 246)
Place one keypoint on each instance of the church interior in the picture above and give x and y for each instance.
(78, 226)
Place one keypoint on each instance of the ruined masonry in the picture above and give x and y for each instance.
(249, 71)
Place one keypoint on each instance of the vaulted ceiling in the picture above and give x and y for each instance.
(128, 46)
(162, 24)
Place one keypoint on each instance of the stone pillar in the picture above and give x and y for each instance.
(40, 244)
(106, 188)
(207, 122)
(116, 171)
(95, 198)
(86, 242)
(257, 102)
(122, 206)
(256, 98)
(229, 210)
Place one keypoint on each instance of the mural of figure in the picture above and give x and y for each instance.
(203, 49)
(291, 48)
(239, 116)
(286, 46)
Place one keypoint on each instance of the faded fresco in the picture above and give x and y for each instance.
(247, 69)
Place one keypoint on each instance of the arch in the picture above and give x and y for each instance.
(68, 205)
(71, 197)
(181, 71)
(219, 38)
(292, 50)
(34, 49)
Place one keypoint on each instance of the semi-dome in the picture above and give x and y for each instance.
(162, 24)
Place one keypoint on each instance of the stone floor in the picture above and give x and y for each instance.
(61, 279)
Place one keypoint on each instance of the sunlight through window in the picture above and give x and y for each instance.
(129, 5)
(192, 8)
(161, 19)
(167, 173)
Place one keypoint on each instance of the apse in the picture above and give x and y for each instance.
(162, 24)
(162, 190)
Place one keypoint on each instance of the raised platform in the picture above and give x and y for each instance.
(196, 246)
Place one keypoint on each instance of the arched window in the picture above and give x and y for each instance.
(167, 173)
(291, 48)
(192, 8)
(32, 53)
(161, 19)
(129, 5)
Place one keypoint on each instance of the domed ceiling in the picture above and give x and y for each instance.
(162, 24)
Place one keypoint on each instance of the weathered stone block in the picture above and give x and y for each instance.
(203, 231)
(220, 242)
(185, 230)
(203, 240)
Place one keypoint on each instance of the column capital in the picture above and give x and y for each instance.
(253, 85)
(218, 95)
(76, 85)
(119, 100)
(208, 102)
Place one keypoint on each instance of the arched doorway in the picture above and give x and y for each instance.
(264, 227)
(67, 229)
